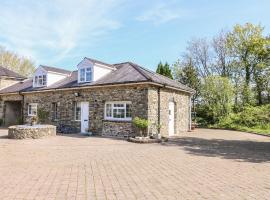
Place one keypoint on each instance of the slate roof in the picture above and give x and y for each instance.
(55, 69)
(127, 72)
(6, 72)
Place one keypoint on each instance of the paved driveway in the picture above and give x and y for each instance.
(206, 164)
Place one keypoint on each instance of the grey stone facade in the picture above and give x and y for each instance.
(146, 100)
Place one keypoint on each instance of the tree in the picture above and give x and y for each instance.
(186, 73)
(164, 70)
(14, 62)
(222, 63)
(217, 96)
(198, 50)
(243, 42)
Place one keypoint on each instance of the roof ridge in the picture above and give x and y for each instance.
(98, 61)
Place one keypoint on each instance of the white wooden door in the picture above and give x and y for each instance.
(171, 118)
(84, 117)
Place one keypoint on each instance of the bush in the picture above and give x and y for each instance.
(141, 124)
(43, 116)
(250, 118)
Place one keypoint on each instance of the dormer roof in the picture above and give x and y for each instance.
(55, 70)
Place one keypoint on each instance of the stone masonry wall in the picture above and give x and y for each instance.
(96, 98)
(181, 109)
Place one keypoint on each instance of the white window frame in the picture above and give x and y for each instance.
(35, 105)
(85, 72)
(40, 78)
(112, 118)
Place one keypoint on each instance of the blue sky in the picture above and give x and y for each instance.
(62, 32)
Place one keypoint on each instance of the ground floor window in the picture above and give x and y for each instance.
(55, 113)
(118, 110)
(77, 110)
(32, 109)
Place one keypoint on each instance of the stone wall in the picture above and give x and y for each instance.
(34, 132)
(145, 104)
(96, 98)
(181, 101)
(118, 129)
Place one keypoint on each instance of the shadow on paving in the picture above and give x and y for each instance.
(247, 151)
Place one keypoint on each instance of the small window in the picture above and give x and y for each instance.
(55, 112)
(85, 74)
(32, 109)
(40, 80)
(118, 111)
(77, 111)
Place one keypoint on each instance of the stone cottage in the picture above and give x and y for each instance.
(99, 98)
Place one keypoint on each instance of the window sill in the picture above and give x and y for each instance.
(117, 120)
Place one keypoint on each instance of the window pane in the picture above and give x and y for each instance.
(118, 113)
(40, 80)
(128, 111)
(88, 75)
(77, 109)
(82, 75)
(55, 111)
(108, 110)
(36, 80)
(119, 105)
(44, 80)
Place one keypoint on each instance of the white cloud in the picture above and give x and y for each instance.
(51, 29)
(162, 13)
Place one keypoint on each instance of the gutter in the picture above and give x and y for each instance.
(100, 86)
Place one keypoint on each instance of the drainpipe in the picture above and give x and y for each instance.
(159, 110)
(22, 109)
(190, 118)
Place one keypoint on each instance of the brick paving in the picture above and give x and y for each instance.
(206, 164)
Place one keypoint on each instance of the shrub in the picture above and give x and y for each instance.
(43, 116)
(250, 118)
(141, 124)
(1, 122)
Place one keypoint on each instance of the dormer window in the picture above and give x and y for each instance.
(40, 80)
(85, 74)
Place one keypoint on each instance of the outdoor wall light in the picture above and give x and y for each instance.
(77, 94)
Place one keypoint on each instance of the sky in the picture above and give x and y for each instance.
(62, 32)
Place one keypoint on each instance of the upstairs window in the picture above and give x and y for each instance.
(118, 111)
(40, 80)
(85, 74)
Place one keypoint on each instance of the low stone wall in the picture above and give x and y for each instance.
(117, 129)
(34, 132)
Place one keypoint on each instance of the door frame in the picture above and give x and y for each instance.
(84, 116)
(171, 125)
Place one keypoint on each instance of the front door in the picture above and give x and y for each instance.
(171, 118)
(84, 117)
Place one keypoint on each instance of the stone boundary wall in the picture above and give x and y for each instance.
(34, 132)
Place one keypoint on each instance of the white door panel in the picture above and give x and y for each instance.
(84, 117)
(171, 118)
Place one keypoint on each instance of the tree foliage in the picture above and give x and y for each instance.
(164, 70)
(14, 62)
(230, 72)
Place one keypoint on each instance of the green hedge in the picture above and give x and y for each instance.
(255, 119)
